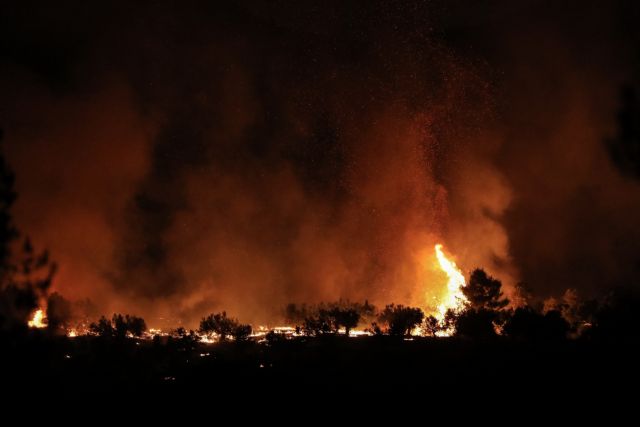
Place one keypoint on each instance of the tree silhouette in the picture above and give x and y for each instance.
(25, 276)
(136, 326)
(8, 232)
(102, 327)
(450, 319)
(579, 313)
(554, 326)
(345, 317)
(319, 323)
(432, 326)
(328, 318)
(220, 325)
(119, 326)
(401, 320)
(530, 325)
(482, 311)
(476, 323)
(241, 332)
(617, 319)
(186, 339)
(294, 314)
(367, 311)
(274, 337)
(484, 291)
(624, 148)
(59, 313)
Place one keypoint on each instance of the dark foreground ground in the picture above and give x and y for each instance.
(336, 367)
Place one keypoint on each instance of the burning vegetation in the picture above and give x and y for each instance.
(347, 338)
(476, 310)
(348, 200)
(342, 317)
(38, 320)
(473, 308)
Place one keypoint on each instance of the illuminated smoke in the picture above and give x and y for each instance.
(250, 157)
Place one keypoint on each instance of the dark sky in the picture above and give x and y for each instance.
(178, 157)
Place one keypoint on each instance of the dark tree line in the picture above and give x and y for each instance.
(328, 318)
(486, 314)
(119, 326)
(25, 274)
(399, 320)
(624, 148)
(223, 326)
(484, 308)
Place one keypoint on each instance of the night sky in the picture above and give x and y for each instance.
(178, 157)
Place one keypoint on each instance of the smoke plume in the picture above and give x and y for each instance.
(183, 158)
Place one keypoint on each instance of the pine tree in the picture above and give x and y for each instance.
(25, 275)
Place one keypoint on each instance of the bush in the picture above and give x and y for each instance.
(400, 320)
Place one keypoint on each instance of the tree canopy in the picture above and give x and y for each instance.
(400, 320)
(484, 291)
(224, 326)
(25, 274)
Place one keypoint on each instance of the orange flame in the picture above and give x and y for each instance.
(38, 320)
(454, 299)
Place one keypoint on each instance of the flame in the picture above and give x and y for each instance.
(38, 320)
(454, 299)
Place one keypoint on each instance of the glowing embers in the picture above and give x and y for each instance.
(38, 320)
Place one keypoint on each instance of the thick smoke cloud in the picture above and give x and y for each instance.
(178, 159)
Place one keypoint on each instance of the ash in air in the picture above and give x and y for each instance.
(177, 160)
(363, 196)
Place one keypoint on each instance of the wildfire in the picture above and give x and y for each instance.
(454, 298)
(38, 320)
